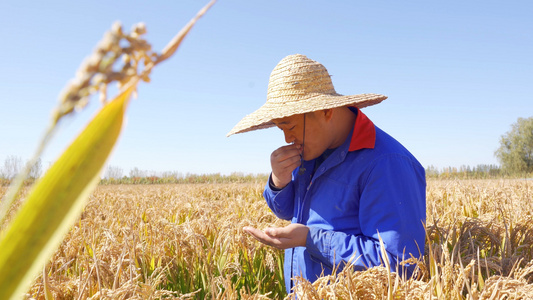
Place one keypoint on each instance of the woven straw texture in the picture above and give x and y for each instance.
(299, 85)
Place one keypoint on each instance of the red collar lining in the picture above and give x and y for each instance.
(364, 133)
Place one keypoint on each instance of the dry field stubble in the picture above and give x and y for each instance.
(186, 241)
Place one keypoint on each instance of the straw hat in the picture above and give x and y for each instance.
(299, 85)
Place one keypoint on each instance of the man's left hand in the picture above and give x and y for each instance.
(290, 236)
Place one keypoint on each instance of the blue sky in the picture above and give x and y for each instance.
(457, 74)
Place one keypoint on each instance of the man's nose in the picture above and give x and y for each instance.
(289, 138)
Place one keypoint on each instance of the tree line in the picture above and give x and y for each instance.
(482, 171)
(115, 175)
(13, 165)
(515, 155)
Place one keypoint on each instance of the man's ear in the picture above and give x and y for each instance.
(328, 114)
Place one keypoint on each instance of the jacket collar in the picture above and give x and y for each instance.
(364, 132)
(363, 136)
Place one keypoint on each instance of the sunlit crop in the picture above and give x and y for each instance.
(186, 241)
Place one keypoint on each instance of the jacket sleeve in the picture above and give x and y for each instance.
(392, 207)
(280, 202)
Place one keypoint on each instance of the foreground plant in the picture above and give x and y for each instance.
(58, 198)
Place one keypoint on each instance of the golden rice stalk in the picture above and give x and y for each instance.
(57, 200)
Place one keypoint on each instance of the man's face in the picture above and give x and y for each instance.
(293, 129)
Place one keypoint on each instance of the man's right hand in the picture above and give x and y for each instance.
(284, 160)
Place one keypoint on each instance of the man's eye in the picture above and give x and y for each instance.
(289, 129)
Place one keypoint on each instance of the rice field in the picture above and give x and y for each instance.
(185, 241)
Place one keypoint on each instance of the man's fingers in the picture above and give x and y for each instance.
(290, 163)
(253, 231)
(275, 232)
(284, 161)
(290, 147)
(263, 237)
(257, 234)
(287, 159)
(270, 232)
(286, 152)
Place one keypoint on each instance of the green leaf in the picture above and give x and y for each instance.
(57, 200)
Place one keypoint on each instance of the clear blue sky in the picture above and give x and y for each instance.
(457, 74)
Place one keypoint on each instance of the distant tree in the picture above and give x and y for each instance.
(36, 169)
(12, 166)
(432, 171)
(516, 147)
(135, 172)
(113, 172)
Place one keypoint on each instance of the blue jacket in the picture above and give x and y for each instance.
(367, 188)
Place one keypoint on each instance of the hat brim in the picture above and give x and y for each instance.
(262, 118)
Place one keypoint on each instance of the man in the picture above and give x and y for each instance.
(344, 183)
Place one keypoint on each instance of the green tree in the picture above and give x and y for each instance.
(516, 148)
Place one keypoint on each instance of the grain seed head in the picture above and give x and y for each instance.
(116, 58)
